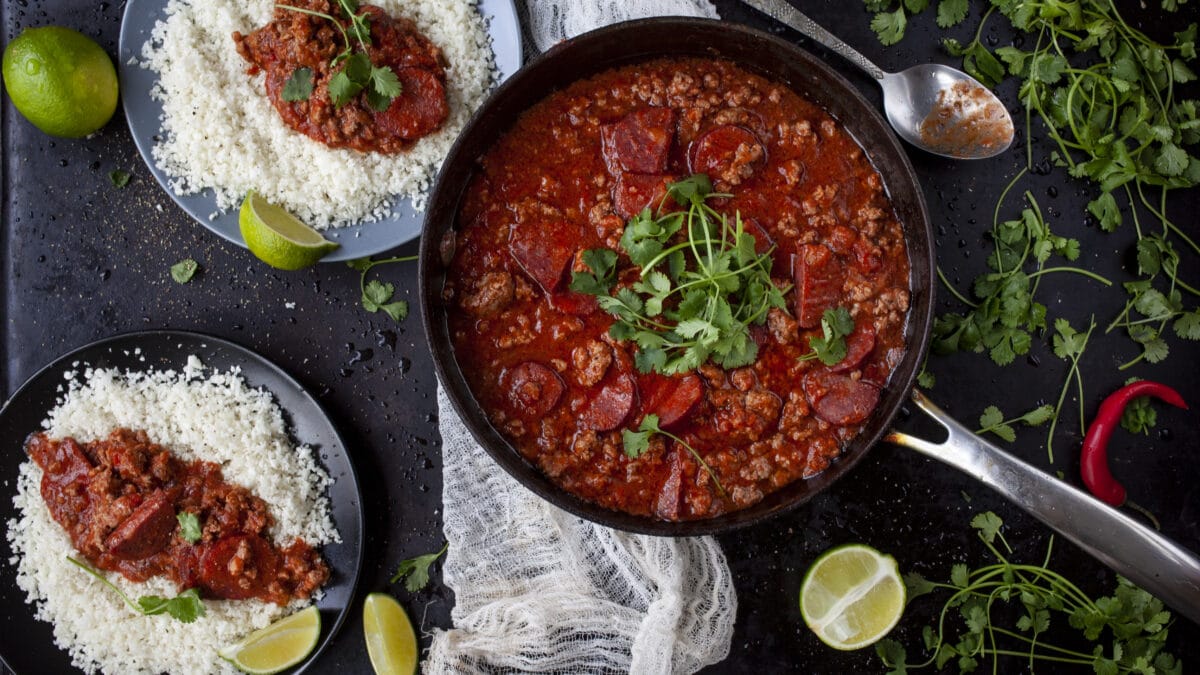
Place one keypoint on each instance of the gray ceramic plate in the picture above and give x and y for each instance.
(357, 241)
(27, 644)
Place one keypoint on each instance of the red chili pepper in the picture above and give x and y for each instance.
(1093, 462)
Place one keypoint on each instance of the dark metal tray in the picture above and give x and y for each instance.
(83, 260)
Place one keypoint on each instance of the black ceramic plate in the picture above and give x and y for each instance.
(26, 644)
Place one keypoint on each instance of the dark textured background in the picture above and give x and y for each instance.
(83, 260)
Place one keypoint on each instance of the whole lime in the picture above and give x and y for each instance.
(61, 81)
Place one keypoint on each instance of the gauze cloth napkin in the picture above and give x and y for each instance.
(538, 590)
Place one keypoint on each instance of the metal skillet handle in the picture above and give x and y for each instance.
(1150, 560)
(784, 13)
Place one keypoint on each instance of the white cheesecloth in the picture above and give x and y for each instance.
(539, 590)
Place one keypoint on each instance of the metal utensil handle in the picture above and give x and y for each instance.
(784, 13)
(1150, 560)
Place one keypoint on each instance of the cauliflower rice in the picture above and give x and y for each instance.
(220, 131)
(197, 414)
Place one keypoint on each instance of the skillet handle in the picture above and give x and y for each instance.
(1148, 559)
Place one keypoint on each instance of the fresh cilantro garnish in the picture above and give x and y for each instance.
(185, 607)
(636, 443)
(299, 86)
(378, 296)
(189, 526)
(1069, 345)
(417, 570)
(1127, 630)
(889, 26)
(119, 177)
(183, 271)
(992, 421)
(1138, 417)
(695, 299)
(358, 74)
(830, 348)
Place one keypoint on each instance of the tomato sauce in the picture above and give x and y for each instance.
(294, 40)
(568, 175)
(119, 500)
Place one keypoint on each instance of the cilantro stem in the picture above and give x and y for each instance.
(953, 291)
(711, 474)
(1075, 270)
(106, 582)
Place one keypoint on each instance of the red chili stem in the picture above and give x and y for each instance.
(1093, 461)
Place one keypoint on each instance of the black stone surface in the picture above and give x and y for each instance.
(83, 260)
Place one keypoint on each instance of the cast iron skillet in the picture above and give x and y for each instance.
(1147, 558)
(27, 644)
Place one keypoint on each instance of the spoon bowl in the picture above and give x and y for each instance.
(937, 108)
(944, 111)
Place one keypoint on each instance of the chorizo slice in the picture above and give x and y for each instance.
(420, 108)
(670, 496)
(859, 344)
(578, 304)
(62, 461)
(238, 567)
(839, 399)
(727, 153)
(673, 399)
(533, 389)
(613, 399)
(640, 142)
(146, 531)
(634, 192)
(544, 250)
(818, 283)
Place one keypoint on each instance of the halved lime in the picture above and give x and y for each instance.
(278, 238)
(281, 645)
(391, 642)
(852, 596)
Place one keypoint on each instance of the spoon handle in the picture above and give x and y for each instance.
(1150, 560)
(784, 13)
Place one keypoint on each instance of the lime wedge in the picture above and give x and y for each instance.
(278, 238)
(281, 645)
(852, 596)
(391, 642)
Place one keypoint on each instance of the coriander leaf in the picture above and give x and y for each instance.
(189, 527)
(889, 26)
(894, 656)
(926, 380)
(960, 575)
(186, 607)
(299, 86)
(119, 177)
(991, 417)
(342, 88)
(916, 585)
(360, 264)
(951, 12)
(417, 570)
(384, 89)
(1105, 209)
(376, 294)
(687, 191)
(831, 347)
(1038, 416)
(183, 271)
(988, 524)
(1187, 326)
(1171, 161)
(398, 310)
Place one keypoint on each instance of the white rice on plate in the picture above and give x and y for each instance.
(197, 414)
(220, 131)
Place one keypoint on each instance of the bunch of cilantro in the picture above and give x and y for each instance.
(1127, 630)
(697, 295)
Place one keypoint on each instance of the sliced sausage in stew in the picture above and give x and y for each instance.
(146, 531)
(634, 192)
(839, 399)
(533, 388)
(544, 250)
(640, 142)
(818, 283)
(673, 399)
(236, 567)
(859, 344)
(728, 153)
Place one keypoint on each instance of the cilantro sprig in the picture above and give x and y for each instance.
(415, 571)
(697, 294)
(377, 296)
(636, 443)
(992, 421)
(189, 527)
(358, 74)
(185, 607)
(830, 348)
(1127, 629)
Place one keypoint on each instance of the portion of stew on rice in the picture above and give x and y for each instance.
(554, 363)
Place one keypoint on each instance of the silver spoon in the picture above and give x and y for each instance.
(935, 107)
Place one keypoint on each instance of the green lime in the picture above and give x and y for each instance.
(278, 238)
(281, 645)
(852, 596)
(61, 81)
(391, 642)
